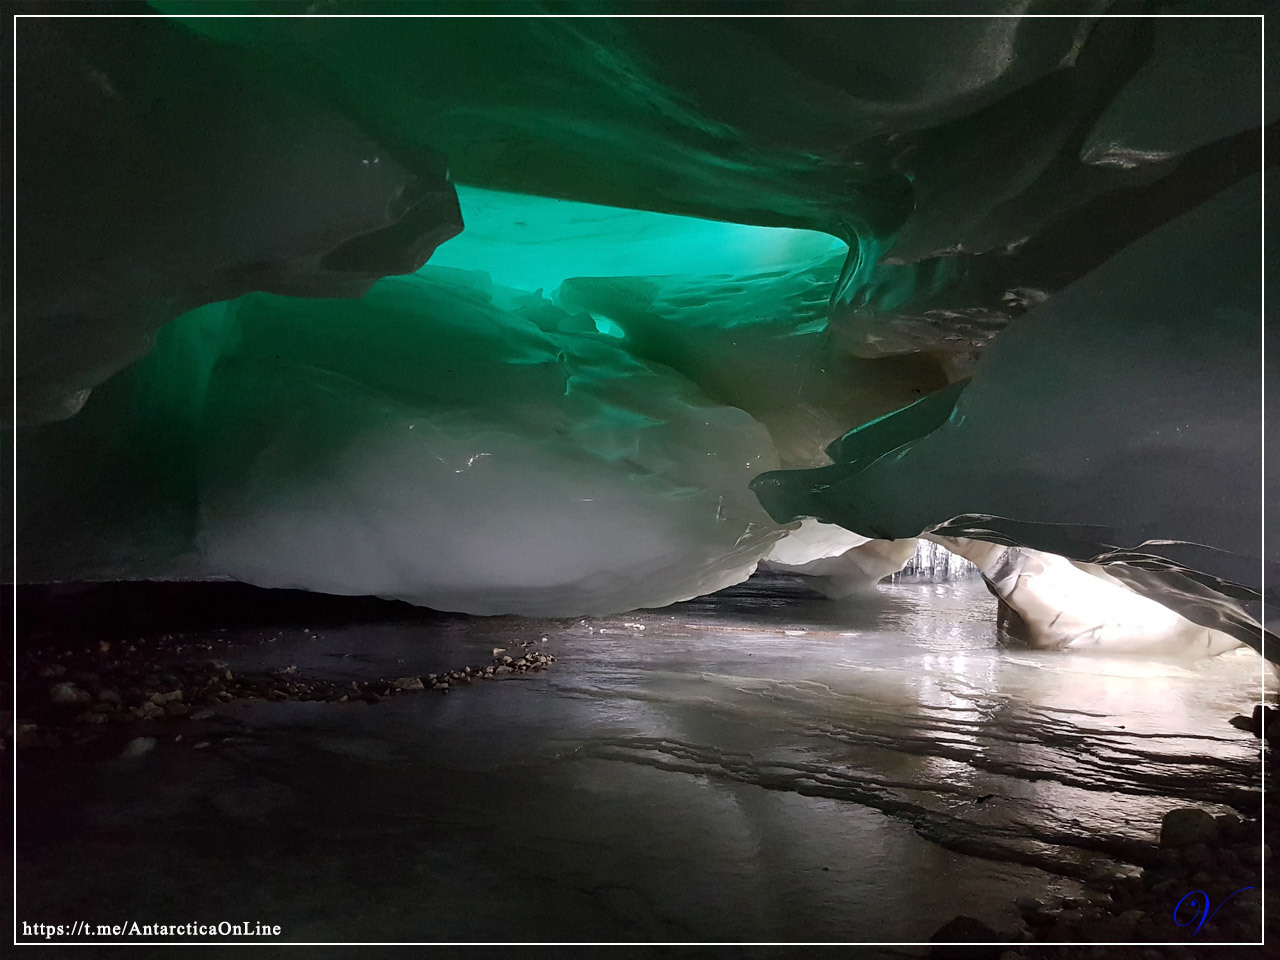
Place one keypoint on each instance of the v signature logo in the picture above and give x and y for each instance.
(1199, 902)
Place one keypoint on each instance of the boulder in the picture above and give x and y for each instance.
(1187, 826)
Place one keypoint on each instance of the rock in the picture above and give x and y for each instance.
(137, 747)
(1248, 915)
(408, 683)
(1227, 863)
(1229, 824)
(1195, 855)
(27, 735)
(1126, 888)
(89, 681)
(498, 671)
(109, 696)
(68, 694)
(1027, 905)
(53, 670)
(148, 710)
(1264, 716)
(1187, 826)
(1244, 723)
(964, 929)
(175, 709)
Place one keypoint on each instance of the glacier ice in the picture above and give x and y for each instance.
(444, 441)
(758, 340)
(160, 171)
(837, 562)
(1117, 422)
(1200, 84)
(1014, 299)
(814, 540)
(1049, 602)
(536, 243)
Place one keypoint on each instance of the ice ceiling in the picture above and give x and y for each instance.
(568, 316)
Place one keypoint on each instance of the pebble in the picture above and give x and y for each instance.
(1028, 904)
(137, 747)
(964, 929)
(139, 689)
(68, 693)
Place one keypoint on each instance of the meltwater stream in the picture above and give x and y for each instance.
(761, 765)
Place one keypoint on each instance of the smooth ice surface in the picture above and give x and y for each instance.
(536, 243)
(836, 562)
(758, 766)
(448, 443)
(758, 340)
(814, 540)
(1050, 603)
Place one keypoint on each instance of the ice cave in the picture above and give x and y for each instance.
(594, 472)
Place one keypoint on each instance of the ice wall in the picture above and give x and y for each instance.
(1119, 421)
(158, 171)
(460, 446)
(1050, 603)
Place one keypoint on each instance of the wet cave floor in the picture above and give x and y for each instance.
(757, 766)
